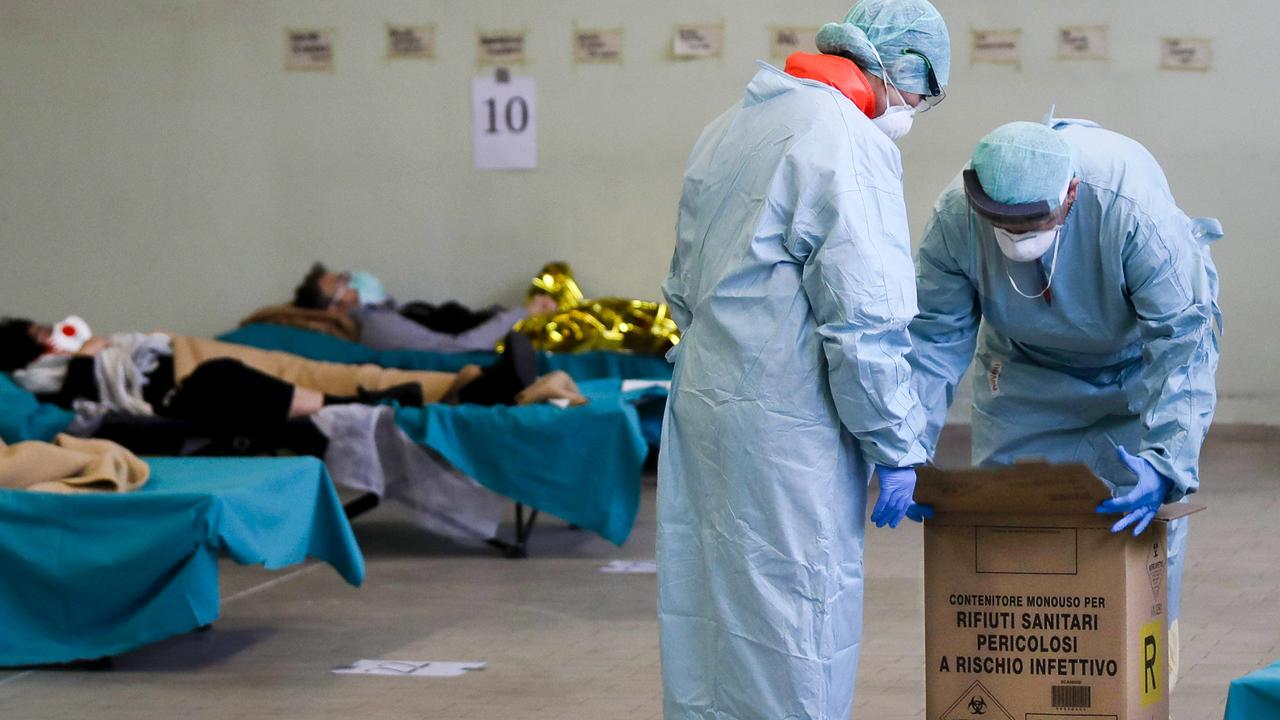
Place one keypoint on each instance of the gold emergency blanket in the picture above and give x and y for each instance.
(580, 324)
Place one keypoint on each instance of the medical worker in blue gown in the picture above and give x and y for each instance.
(793, 285)
(1061, 258)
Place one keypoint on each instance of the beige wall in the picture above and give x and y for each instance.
(158, 169)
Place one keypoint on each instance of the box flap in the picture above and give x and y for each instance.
(1036, 488)
(1173, 511)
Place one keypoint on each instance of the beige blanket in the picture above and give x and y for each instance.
(329, 323)
(332, 378)
(71, 465)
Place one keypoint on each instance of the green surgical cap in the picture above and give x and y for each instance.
(891, 28)
(1023, 162)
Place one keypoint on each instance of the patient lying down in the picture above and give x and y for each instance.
(233, 388)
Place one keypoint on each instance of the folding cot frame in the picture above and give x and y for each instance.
(519, 550)
(167, 572)
(526, 514)
(357, 506)
(354, 508)
(322, 347)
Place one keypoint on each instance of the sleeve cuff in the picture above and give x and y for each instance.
(1184, 480)
(896, 458)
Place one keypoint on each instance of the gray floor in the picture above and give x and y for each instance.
(563, 640)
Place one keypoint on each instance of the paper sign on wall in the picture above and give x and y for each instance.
(597, 46)
(1186, 53)
(1082, 42)
(697, 42)
(309, 50)
(786, 40)
(506, 123)
(999, 47)
(411, 42)
(502, 48)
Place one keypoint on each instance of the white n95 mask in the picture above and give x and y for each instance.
(1028, 246)
(896, 122)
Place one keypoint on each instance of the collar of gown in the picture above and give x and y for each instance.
(838, 72)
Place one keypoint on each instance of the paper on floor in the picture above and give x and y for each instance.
(630, 567)
(405, 668)
(632, 385)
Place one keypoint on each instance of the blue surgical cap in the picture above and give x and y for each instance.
(892, 28)
(1023, 162)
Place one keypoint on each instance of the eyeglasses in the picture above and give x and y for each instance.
(937, 93)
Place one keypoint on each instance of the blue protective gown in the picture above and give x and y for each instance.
(1123, 353)
(793, 285)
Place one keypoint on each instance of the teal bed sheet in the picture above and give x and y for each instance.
(1256, 695)
(88, 576)
(22, 417)
(582, 464)
(318, 346)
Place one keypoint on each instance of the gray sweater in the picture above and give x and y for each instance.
(384, 328)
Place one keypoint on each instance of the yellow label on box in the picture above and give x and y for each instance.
(1151, 662)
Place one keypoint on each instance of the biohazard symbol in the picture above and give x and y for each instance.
(976, 703)
(1155, 571)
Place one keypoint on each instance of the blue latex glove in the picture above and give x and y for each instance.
(1140, 504)
(897, 485)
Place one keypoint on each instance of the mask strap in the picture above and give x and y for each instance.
(889, 83)
(1062, 197)
(1057, 243)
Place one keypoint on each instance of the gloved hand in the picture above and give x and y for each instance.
(897, 485)
(1140, 504)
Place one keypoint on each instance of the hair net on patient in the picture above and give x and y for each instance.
(1023, 162)
(890, 28)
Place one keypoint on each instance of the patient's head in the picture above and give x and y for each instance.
(323, 289)
(21, 342)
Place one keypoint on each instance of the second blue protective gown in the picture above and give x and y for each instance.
(793, 285)
(1122, 352)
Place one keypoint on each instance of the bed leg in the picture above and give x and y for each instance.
(507, 549)
(360, 505)
(524, 528)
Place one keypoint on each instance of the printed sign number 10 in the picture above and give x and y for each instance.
(516, 115)
(505, 123)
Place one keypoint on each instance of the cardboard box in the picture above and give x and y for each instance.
(1034, 609)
